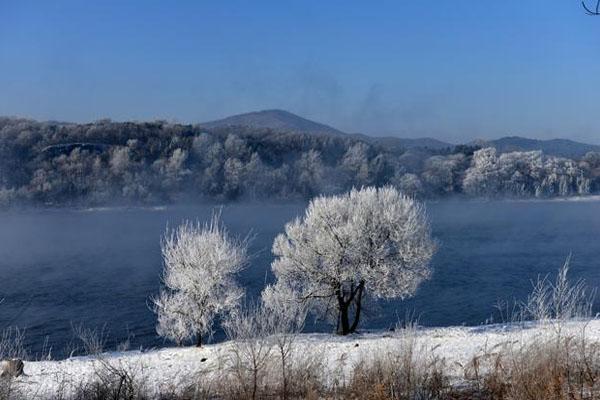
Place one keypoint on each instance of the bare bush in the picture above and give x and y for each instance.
(252, 347)
(558, 301)
(113, 380)
(409, 371)
(12, 344)
(546, 368)
(91, 340)
(286, 320)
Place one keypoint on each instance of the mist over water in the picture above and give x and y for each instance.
(100, 267)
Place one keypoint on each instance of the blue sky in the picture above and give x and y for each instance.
(450, 69)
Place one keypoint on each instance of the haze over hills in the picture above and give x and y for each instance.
(280, 120)
(160, 162)
(395, 143)
(557, 147)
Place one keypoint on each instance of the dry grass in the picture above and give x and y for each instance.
(11, 346)
(556, 367)
(553, 367)
(410, 370)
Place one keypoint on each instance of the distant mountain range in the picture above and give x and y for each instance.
(284, 121)
(558, 147)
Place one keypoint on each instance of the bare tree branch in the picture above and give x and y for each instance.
(588, 10)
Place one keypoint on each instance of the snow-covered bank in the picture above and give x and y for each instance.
(582, 198)
(171, 368)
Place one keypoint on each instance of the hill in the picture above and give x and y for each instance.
(276, 120)
(557, 147)
(396, 144)
(284, 121)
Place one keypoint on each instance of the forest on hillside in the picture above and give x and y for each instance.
(100, 163)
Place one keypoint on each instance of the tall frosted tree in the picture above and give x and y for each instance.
(368, 242)
(199, 279)
(482, 179)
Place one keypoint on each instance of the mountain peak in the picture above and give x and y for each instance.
(276, 119)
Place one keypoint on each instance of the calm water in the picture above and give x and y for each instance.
(63, 268)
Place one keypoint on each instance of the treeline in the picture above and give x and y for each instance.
(105, 162)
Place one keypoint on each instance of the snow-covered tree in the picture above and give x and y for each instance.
(233, 173)
(235, 146)
(356, 163)
(200, 266)
(368, 242)
(518, 172)
(119, 160)
(172, 169)
(481, 179)
(310, 168)
(409, 184)
(7, 196)
(442, 174)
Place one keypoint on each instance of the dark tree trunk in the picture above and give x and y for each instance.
(355, 297)
(344, 321)
(358, 308)
(199, 340)
(283, 374)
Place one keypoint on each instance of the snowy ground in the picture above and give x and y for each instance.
(167, 368)
(583, 198)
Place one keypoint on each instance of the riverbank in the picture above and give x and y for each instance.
(333, 358)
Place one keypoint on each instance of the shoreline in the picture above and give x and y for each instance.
(170, 369)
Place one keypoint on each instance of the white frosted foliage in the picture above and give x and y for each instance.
(371, 241)
(200, 266)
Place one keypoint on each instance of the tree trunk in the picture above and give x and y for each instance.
(358, 303)
(254, 382)
(283, 376)
(356, 294)
(344, 321)
(199, 340)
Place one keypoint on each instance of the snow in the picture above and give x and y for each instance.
(169, 368)
(120, 209)
(577, 199)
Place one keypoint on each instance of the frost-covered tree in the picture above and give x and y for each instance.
(150, 162)
(6, 197)
(481, 179)
(119, 160)
(562, 177)
(518, 173)
(310, 168)
(409, 184)
(233, 175)
(235, 146)
(368, 242)
(356, 163)
(442, 174)
(200, 266)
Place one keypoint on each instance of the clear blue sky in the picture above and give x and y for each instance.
(451, 69)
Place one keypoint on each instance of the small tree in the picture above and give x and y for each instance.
(286, 319)
(200, 265)
(250, 330)
(368, 242)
